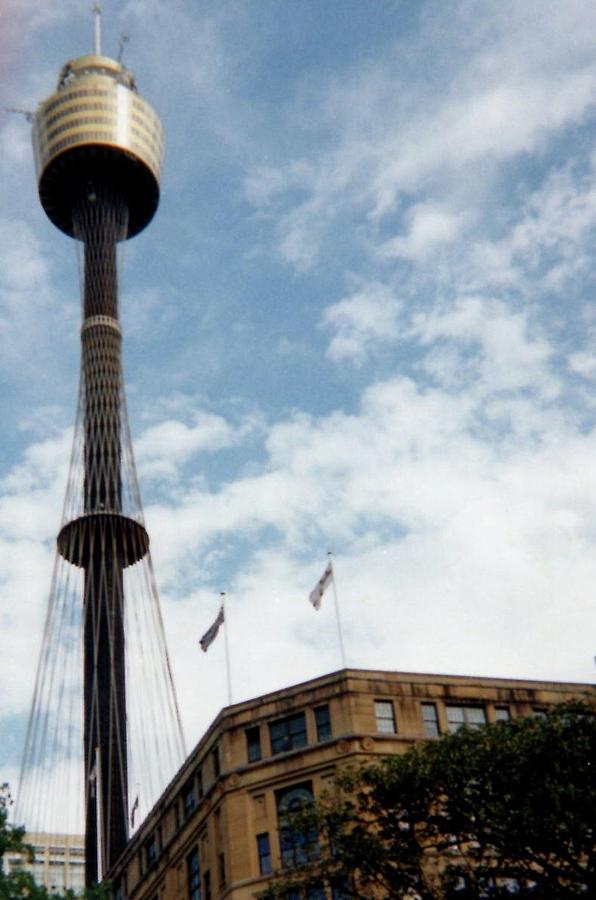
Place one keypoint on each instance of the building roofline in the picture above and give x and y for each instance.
(416, 677)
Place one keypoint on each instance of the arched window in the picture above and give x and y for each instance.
(297, 845)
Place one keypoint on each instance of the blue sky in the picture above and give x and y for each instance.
(362, 320)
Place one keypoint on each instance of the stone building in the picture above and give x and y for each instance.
(216, 832)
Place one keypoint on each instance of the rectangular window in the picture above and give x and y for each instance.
(316, 893)
(502, 713)
(215, 759)
(207, 885)
(253, 743)
(288, 734)
(469, 716)
(150, 851)
(385, 717)
(430, 719)
(222, 870)
(193, 870)
(200, 783)
(189, 798)
(264, 852)
(323, 723)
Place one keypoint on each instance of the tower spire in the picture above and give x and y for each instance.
(97, 29)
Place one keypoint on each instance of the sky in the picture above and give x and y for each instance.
(362, 321)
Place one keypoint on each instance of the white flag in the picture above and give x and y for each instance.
(135, 806)
(316, 595)
(211, 633)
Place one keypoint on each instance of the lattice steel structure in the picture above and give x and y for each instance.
(98, 150)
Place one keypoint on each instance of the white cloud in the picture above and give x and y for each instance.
(429, 227)
(163, 448)
(549, 247)
(476, 342)
(511, 357)
(366, 318)
(23, 266)
(392, 137)
(584, 364)
(22, 18)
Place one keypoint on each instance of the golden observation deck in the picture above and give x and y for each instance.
(97, 121)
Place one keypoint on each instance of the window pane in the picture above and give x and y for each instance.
(316, 893)
(323, 723)
(188, 798)
(430, 718)
(253, 744)
(264, 852)
(288, 734)
(150, 851)
(502, 713)
(458, 716)
(194, 875)
(215, 758)
(475, 716)
(296, 726)
(385, 716)
(455, 718)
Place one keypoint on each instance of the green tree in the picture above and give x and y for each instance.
(19, 884)
(481, 813)
(14, 884)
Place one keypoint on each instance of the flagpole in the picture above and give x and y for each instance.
(339, 631)
(225, 624)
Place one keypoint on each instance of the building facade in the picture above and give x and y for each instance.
(217, 831)
(59, 862)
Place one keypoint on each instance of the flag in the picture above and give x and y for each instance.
(135, 806)
(211, 633)
(316, 595)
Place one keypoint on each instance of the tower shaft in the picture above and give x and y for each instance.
(105, 738)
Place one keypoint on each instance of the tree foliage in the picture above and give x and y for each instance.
(18, 884)
(505, 809)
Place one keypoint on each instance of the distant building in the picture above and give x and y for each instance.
(59, 861)
(215, 832)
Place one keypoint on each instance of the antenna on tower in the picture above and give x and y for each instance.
(97, 29)
(124, 39)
